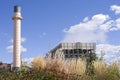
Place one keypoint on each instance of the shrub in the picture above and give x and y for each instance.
(113, 72)
(38, 63)
(59, 69)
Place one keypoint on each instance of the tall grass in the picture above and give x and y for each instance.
(100, 69)
(60, 69)
(76, 66)
(75, 69)
(38, 63)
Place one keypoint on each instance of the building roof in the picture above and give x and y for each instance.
(77, 45)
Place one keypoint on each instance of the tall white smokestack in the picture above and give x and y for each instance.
(17, 38)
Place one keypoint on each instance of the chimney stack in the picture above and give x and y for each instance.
(17, 38)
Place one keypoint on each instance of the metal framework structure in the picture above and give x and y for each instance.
(71, 50)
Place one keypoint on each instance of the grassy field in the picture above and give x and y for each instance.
(59, 69)
(76, 69)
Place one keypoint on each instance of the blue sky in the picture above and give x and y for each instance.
(46, 23)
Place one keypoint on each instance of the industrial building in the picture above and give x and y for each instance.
(71, 50)
(5, 66)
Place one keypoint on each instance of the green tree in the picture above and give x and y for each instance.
(89, 64)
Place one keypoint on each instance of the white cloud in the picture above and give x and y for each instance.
(117, 59)
(10, 48)
(115, 8)
(23, 49)
(107, 48)
(114, 29)
(23, 39)
(117, 21)
(85, 19)
(112, 52)
(89, 31)
(107, 26)
(85, 36)
(92, 29)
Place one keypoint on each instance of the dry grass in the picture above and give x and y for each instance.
(77, 68)
(38, 63)
(100, 69)
(55, 65)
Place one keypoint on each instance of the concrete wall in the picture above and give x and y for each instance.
(71, 50)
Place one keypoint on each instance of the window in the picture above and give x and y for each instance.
(76, 56)
(66, 51)
(71, 51)
(71, 56)
(80, 51)
(66, 56)
(75, 51)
